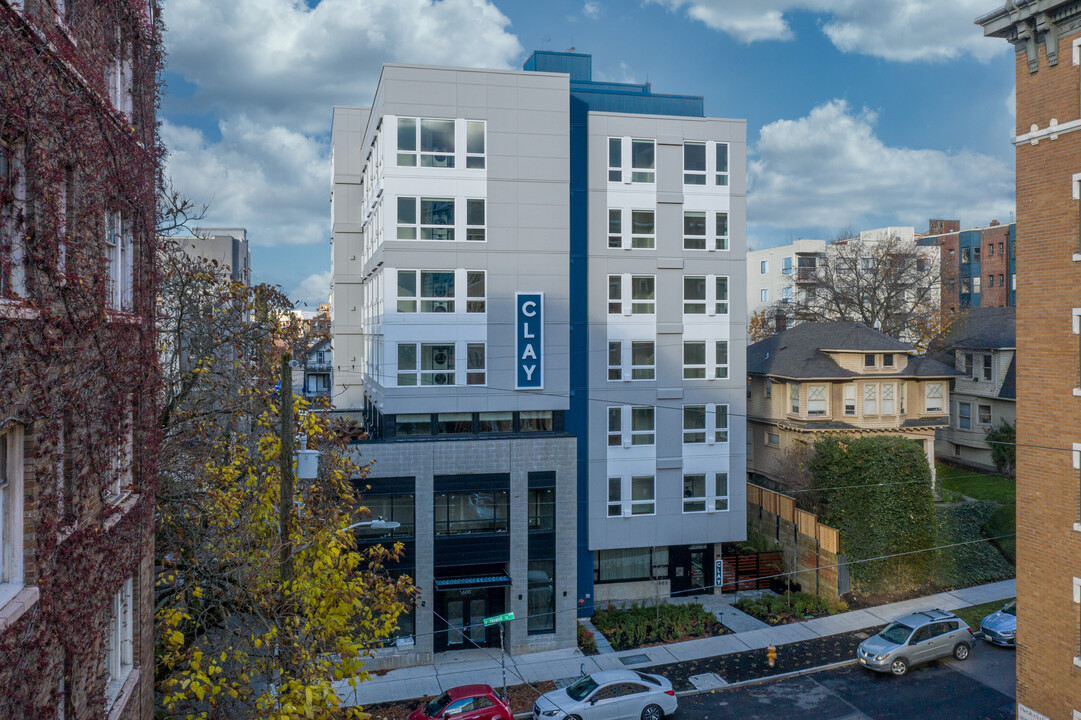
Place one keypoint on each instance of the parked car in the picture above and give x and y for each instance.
(467, 702)
(1000, 628)
(917, 638)
(609, 695)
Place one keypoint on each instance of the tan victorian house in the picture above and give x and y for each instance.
(837, 377)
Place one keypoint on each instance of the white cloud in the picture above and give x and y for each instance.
(1011, 102)
(830, 169)
(591, 10)
(313, 290)
(900, 30)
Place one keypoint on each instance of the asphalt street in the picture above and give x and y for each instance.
(981, 688)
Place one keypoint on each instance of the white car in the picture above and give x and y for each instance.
(609, 695)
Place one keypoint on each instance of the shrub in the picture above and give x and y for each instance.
(1002, 440)
(1003, 521)
(975, 562)
(780, 609)
(586, 642)
(641, 625)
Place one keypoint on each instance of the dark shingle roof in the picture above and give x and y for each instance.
(1009, 383)
(984, 328)
(798, 352)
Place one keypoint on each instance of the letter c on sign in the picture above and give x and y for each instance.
(529, 308)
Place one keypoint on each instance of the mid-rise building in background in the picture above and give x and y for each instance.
(226, 246)
(1047, 39)
(979, 267)
(538, 315)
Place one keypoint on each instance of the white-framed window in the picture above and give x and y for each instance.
(694, 424)
(615, 159)
(643, 161)
(436, 218)
(850, 399)
(763, 267)
(870, 360)
(786, 294)
(120, 470)
(407, 291)
(793, 397)
(773, 439)
(11, 511)
(722, 163)
(976, 283)
(615, 360)
(987, 367)
(643, 430)
(475, 358)
(721, 295)
(475, 291)
(694, 359)
(433, 137)
(870, 399)
(407, 142)
(475, 144)
(119, 654)
(964, 416)
(643, 495)
(722, 231)
(615, 426)
(694, 492)
(720, 423)
(631, 426)
(984, 414)
(119, 256)
(12, 206)
(694, 230)
(720, 491)
(887, 360)
(615, 497)
(763, 295)
(694, 295)
(694, 163)
(643, 360)
(816, 400)
(643, 229)
(887, 398)
(436, 291)
(642, 294)
(475, 229)
(786, 266)
(436, 364)
(933, 397)
(615, 228)
(615, 294)
(720, 359)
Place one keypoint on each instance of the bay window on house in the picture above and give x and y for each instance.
(933, 397)
(887, 398)
(793, 397)
(816, 400)
(870, 399)
(850, 399)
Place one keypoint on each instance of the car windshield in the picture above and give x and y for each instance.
(648, 678)
(582, 688)
(896, 633)
(436, 706)
(1011, 608)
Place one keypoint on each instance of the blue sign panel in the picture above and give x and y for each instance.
(530, 346)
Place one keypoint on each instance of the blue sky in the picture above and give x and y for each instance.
(859, 114)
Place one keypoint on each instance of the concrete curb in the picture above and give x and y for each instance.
(769, 678)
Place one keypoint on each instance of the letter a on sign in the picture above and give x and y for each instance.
(529, 371)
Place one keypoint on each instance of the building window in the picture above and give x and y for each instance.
(615, 495)
(615, 228)
(976, 254)
(720, 361)
(987, 367)
(722, 296)
(870, 399)
(694, 295)
(119, 656)
(984, 414)
(722, 163)
(793, 397)
(990, 280)
(887, 360)
(12, 204)
(407, 291)
(966, 255)
(541, 509)
(1000, 280)
(615, 159)
(786, 266)
(475, 291)
(474, 220)
(625, 565)
(933, 402)
(720, 428)
(436, 364)
(407, 142)
(869, 360)
(495, 422)
(615, 295)
(478, 511)
(474, 144)
(642, 427)
(722, 231)
(694, 230)
(720, 491)
(643, 229)
(642, 495)
(436, 143)
(694, 493)
(436, 218)
(694, 424)
(964, 416)
(413, 424)
(887, 398)
(119, 251)
(763, 267)
(816, 400)
(975, 283)
(694, 359)
(786, 294)
(119, 477)
(615, 360)
(773, 439)
(475, 364)
(694, 163)
(643, 360)
(542, 597)
(530, 421)
(643, 295)
(763, 295)
(399, 508)
(11, 512)
(436, 291)
(642, 161)
(850, 399)
(407, 364)
(767, 389)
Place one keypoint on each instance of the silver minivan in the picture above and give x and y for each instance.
(917, 638)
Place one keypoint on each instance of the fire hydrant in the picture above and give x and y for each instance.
(771, 655)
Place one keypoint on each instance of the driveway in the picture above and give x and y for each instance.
(980, 688)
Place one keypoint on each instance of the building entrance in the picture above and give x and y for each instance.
(690, 569)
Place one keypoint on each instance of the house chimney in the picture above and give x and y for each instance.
(780, 322)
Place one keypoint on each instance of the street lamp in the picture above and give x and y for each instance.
(377, 524)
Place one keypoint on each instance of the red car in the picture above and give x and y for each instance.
(468, 702)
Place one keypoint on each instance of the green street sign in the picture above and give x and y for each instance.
(498, 619)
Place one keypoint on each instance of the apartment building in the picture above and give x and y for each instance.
(837, 377)
(318, 369)
(228, 247)
(979, 265)
(78, 163)
(537, 281)
(1047, 38)
(773, 274)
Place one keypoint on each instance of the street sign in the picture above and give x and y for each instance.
(498, 619)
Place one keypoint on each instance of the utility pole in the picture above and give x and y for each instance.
(285, 507)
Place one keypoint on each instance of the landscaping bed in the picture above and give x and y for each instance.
(790, 607)
(645, 625)
(521, 699)
(752, 664)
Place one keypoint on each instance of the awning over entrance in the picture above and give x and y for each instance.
(462, 583)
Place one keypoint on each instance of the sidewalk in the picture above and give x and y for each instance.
(483, 665)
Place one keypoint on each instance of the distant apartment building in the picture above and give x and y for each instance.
(981, 345)
(538, 314)
(226, 246)
(318, 367)
(1046, 36)
(774, 274)
(979, 266)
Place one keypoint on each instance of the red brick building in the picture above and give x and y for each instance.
(1047, 38)
(78, 166)
(978, 265)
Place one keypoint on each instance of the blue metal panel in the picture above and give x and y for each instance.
(578, 65)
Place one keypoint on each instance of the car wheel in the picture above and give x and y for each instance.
(652, 712)
(899, 667)
(960, 651)
(573, 717)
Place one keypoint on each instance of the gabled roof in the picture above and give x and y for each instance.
(801, 352)
(984, 328)
(323, 344)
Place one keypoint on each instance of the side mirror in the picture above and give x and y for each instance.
(913, 641)
(593, 701)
